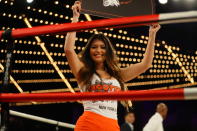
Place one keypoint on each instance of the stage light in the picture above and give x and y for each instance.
(30, 1)
(163, 1)
(56, 2)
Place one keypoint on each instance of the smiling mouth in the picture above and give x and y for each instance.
(98, 55)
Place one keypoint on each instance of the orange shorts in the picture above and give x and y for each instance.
(90, 121)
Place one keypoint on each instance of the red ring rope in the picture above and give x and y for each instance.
(124, 21)
(172, 94)
(82, 25)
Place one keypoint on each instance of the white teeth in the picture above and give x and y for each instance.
(98, 55)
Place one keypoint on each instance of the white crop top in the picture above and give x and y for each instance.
(107, 108)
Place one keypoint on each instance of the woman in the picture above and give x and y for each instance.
(97, 71)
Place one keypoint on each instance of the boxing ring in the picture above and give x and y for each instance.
(143, 95)
(164, 18)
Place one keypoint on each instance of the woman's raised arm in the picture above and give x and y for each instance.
(73, 59)
(135, 70)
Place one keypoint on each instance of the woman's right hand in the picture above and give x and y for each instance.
(76, 9)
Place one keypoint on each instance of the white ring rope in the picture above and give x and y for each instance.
(41, 119)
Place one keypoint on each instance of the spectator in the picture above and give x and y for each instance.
(129, 120)
(155, 123)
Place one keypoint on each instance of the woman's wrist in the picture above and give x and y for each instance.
(152, 33)
(75, 19)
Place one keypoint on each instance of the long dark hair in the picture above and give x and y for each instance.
(111, 62)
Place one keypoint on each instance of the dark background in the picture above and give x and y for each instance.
(182, 115)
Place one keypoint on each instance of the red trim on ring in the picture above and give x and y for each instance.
(170, 94)
(47, 29)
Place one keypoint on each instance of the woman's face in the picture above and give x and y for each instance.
(98, 51)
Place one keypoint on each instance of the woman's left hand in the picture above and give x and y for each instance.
(154, 28)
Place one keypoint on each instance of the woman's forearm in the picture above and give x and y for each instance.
(70, 38)
(149, 53)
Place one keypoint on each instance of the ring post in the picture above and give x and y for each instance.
(6, 79)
